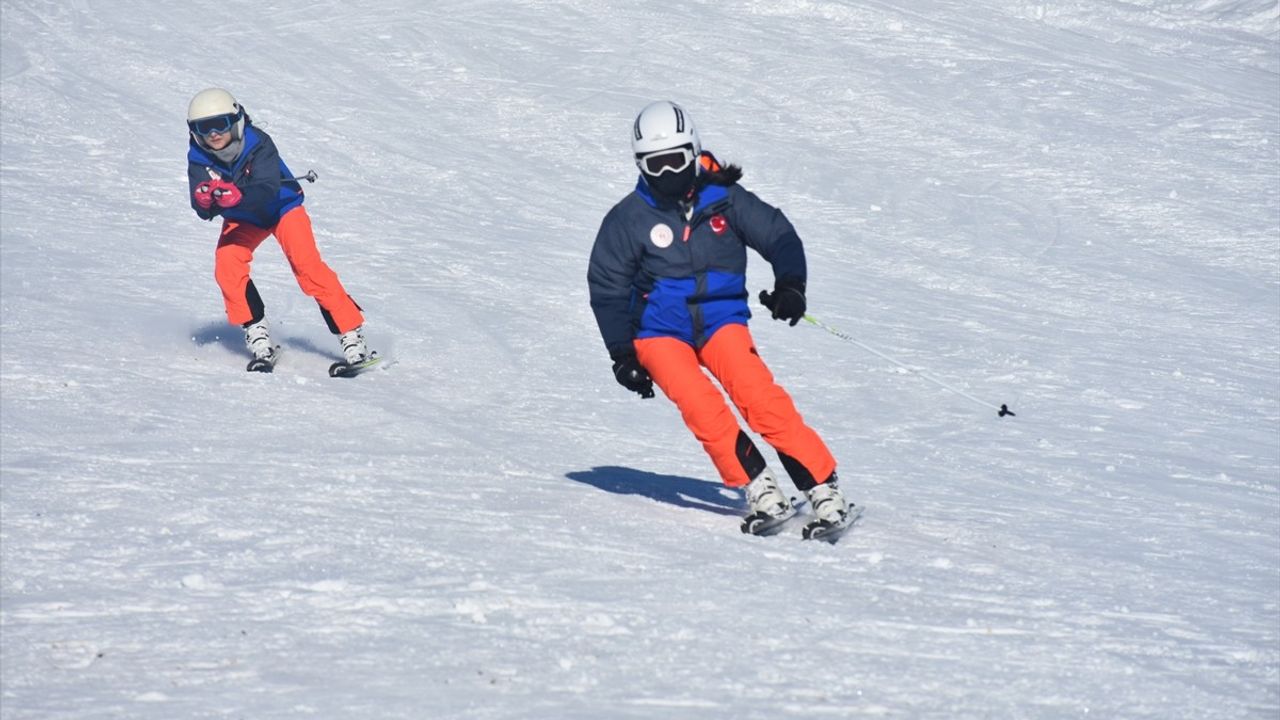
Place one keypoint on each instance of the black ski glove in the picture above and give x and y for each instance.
(787, 300)
(631, 375)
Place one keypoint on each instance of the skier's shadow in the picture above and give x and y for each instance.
(297, 342)
(232, 339)
(682, 492)
(228, 336)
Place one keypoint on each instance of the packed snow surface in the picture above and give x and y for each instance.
(1070, 208)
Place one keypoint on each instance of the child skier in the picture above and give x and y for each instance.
(236, 172)
(667, 280)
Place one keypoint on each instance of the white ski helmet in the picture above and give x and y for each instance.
(663, 125)
(214, 103)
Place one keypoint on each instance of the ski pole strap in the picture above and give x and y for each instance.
(1002, 411)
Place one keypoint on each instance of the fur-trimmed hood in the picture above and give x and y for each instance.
(713, 173)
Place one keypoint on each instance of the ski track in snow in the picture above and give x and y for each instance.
(1072, 208)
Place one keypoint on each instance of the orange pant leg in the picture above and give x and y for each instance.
(731, 357)
(231, 269)
(675, 369)
(315, 277)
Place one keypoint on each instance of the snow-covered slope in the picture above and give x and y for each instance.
(1072, 208)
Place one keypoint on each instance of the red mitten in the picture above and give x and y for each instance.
(226, 194)
(203, 195)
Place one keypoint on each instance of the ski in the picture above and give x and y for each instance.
(345, 369)
(264, 365)
(830, 532)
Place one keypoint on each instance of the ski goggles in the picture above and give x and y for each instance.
(220, 124)
(664, 161)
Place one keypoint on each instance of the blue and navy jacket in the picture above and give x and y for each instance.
(259, 173)
(659, 271)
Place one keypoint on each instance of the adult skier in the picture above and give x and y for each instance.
(235, 172)
(667, 280)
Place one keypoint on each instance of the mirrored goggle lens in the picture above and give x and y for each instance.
(666, 161)
(220, 124)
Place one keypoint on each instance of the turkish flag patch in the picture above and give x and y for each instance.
(719, 224)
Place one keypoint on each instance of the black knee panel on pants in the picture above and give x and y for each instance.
(749, 456)
(800, 475)
(328, 318)
(256, 306)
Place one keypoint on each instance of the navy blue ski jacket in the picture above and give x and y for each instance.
(657, 272)
(259, 173)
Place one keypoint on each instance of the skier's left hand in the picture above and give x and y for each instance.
(226, 194)
(631, 375)
(787, 300)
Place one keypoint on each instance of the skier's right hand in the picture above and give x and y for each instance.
(203, 195)
(631, 375)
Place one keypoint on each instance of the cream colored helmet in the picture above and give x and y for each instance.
(214, 110)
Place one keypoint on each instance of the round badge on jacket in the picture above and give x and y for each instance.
(661, 235)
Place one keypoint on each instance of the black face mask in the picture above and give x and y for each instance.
(672, 187)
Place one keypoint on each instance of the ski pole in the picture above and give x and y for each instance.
(309, 177)
(1001, 411)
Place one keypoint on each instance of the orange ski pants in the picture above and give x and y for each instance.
(235, 252)
(730, 356)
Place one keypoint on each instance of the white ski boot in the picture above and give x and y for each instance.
(258, 339)
(832, 513)
(770, 508)
(354, 348)
(358, 356)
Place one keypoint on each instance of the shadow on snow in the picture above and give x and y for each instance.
(228, 336)
(682, 492)
(231, 338)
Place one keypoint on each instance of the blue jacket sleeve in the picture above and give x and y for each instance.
(767, 231)
(611, 276)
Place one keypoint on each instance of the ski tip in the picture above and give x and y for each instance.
(829, 533)
(823, 532)
(751, 524)
(346, 370)
(264, 365)
(762, 524)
